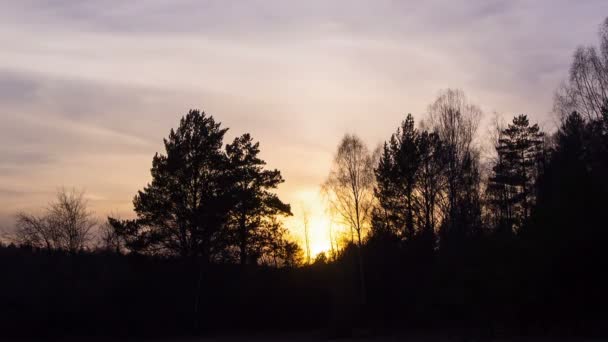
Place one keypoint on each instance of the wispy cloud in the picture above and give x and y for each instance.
(89, 88)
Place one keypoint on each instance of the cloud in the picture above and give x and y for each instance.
(89, 88)
(15, 90)
(13, 162)
(67, 114)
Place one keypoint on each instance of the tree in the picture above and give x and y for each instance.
(350, 185)
(66, 224)
(396, 180)
(204, 200)
(430, 180)
(455, 120)
(293, 254)
(305, 223)
(108, 239)
(332, 244)
(566, 232)
(587, 87)
(350, 191)
(33, 230)
(251, 185)
(181, 212)
(272, 246)
(571, 191)
(512, 187)
(321, 259)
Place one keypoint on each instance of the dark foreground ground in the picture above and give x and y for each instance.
(320, 337)
(482, 293)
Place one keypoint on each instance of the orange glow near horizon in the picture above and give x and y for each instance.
(319, 225)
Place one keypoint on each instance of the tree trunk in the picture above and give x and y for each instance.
(243, 242)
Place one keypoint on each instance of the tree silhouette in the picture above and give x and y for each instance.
(587, 86)
(305, 223)
(512, 186)
(431, 179)
(566, 232)
(350, 190)
(66, 224)
(108, 239)
(410, 184)
(33, 230)
(350, 185)
(182, 210)
(455, 120)
(270, 245)
(207, 201)
(397, 177)
(253, 202)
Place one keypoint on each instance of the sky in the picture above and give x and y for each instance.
(88, 89)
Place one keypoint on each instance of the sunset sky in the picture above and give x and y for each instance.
(88, 89)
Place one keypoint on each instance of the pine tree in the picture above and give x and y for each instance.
(254, 203)
(397, 175)
(204, 200)
(182, 210)
(512, 187)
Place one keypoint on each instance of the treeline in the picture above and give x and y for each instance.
(515, 243)
(441, 240)
(206, 201)
(522, 249)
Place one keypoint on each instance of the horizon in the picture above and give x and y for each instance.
(89, 90)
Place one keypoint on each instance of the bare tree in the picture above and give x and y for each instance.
(586, 90)
(455, 120)
(333, 248)
(350, 185)
(350, 191)
(71, 218)
(305, 223)
(66, 224)
(108, 239)
(34, 230)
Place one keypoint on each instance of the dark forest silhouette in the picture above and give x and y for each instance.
(436, 243)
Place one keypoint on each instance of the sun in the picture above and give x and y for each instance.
(319, 238)
(323, 231)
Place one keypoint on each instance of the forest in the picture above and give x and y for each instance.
(439, 237)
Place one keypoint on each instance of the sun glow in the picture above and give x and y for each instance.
(323, 231)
